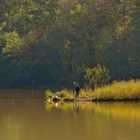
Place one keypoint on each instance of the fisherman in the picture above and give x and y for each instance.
(77, 90)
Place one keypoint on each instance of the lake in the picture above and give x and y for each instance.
(25, 116)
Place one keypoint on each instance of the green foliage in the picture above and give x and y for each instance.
(97, 76)
(51, 42)
(13, 44)
(63, 95)
(49, 94)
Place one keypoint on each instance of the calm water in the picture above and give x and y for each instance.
(24, 116)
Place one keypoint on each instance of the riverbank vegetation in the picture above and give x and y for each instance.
(129, 90)
(117, 91)
(51, 43)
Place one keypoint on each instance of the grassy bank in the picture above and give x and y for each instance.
(117, 91)
(123, 90)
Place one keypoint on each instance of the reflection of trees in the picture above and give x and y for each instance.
(28, 120)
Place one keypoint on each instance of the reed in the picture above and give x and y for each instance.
(116, 91)
(123, 90)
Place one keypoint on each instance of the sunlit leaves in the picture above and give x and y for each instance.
(61, 38)
(97, 76)
(13, 44)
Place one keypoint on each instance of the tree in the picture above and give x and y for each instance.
(97, 76)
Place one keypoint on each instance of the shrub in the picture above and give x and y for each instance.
(49, 94)
(65, 94)
(97, 76)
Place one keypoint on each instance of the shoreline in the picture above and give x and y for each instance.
(116, 91)
(92, 100)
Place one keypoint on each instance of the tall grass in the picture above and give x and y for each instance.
(62, 95)
(123, 90)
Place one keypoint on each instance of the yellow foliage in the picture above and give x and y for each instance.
(123, 90)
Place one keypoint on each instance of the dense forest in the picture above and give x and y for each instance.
(51, 42)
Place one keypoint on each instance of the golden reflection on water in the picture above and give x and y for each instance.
(122, 110)
(117, 109)
(32, 119)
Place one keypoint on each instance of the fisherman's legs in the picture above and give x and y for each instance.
(77, 95)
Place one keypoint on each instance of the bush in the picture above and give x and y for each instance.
(49, 94)
(97, 76)
(64, 94)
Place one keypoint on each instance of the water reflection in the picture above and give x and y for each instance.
(126, 110)
(103, 121)
(122, 110)
(32, 119)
